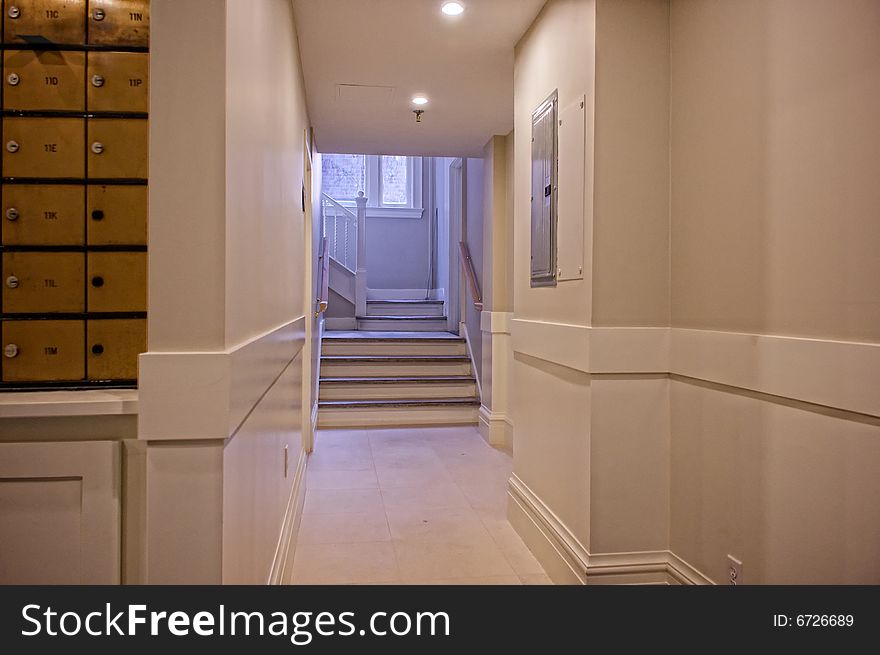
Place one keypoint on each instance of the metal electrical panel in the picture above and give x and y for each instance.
(544, 192)
(74, 97)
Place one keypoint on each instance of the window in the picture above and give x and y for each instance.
(392, 183)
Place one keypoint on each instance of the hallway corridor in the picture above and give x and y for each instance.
(409, 506)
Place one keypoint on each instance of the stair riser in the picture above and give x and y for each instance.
(365, 348)
(392, 369)
(367, 391)
(378, 325)
(409, 309)
(357, 417)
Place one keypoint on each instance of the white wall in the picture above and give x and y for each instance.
(684, 419)
(550, 402)
(775, 121)
(265, 124)
(397, 252)
(229, 281)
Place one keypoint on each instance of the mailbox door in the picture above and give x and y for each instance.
(43, 80)
(43, 351)
(43, 147)
(56, 21)
(117, 148)
(118, 81)
(42, 214)
(117, 282)
(113, 346)
(117, 215)
(119, 22)
(43, 282)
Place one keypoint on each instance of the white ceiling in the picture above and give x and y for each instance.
(463, 64)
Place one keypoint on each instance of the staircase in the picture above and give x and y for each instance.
(373, 378)
(403, 316)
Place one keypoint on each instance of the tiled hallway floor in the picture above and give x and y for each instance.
(409, 506)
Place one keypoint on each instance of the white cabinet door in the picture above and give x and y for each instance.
(59, 513)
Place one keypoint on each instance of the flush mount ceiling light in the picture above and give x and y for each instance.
(452, 9)
(419, 100)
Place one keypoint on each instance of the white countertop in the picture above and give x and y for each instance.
(98, 402)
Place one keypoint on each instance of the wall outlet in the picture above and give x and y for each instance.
(734, 571)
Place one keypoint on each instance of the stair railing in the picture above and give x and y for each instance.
(341, 228)
(471, 275)
(323, 300)
(346, 232)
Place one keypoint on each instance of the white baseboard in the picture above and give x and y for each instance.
(405, 294)
(340, 323)
(496, 429)
(567, 560)
(282, 562)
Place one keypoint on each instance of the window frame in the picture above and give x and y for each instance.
(373, 176)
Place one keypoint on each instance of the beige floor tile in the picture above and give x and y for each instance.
(364, 479)
(340, 458)
(447, 433)
(388, 436)
(448, 525)
(479, 474)
(347, 438)
(438, 494)
(486, 496)
(344, 563)
(485, 580)
(390, 477)
(537, 579)
(343, 528)
(424, 496)
(342, 501)
(419, 560)
(517, 553)
(405, 454)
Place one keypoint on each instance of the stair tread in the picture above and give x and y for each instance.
(405, 302)
(401, 318)
(353, 336)
(436, 379)
(413, 402)
(395, 358)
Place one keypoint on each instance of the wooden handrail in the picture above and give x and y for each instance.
(324, 280)
(471, 275)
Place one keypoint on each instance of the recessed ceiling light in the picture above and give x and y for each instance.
(453, 9)
(420, 100)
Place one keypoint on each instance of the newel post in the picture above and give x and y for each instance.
(360, 294)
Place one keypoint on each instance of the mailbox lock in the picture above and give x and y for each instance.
(97, 349)
(13, 79)
(98, 14)
(97, 80)
(12, 146)
(12, 214)
(98, 215)
(14, 12)
(12, 282)
(97, 282)
(11, 350)
(97, 147)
